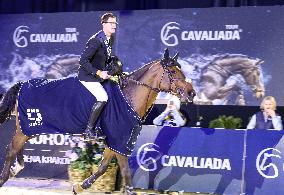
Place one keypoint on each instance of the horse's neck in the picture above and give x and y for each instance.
(141, 97)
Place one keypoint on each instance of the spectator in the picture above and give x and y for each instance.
(267, 118)
(171, 116)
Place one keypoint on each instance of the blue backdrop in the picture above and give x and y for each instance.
(49, 45)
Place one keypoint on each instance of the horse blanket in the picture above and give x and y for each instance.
(64, 105)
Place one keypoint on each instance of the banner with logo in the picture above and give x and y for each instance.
(178, 159)
(46, 152)
(264, 165)
(214, 161)
(241, 47)
(43, 45)
(231, 54)
(44, 156)
(189, 159)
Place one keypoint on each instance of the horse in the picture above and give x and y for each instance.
(140, 89)
(221, 77)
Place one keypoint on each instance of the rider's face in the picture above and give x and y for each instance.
(109, 26)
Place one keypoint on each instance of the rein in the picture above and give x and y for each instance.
(171, 79)
(172, 86)
(145, 85)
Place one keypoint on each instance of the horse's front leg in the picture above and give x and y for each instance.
(125, 173)
(13, 149)
(107, 156)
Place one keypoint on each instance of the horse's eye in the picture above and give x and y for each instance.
(173, 72)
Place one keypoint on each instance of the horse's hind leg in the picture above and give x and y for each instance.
(107, 156)
(19, 164)
(125, 173)
(13, 149)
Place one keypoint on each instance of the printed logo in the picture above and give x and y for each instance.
(171, 37)
(263, 163)
(19, 39)
(51, 139)
(69, 36)
(147, 156)
(35, 118)
(168, 38)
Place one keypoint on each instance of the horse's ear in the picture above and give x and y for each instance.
(175, 56)
(166, 54)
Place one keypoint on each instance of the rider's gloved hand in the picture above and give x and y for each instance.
(103, 74)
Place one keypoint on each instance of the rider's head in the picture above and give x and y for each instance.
(108, 20)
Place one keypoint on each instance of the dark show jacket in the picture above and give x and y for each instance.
(94, 57)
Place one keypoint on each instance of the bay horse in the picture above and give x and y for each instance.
(140, 90)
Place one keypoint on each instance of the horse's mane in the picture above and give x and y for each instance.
(227, 55)
(137, 74)
(66, 56)
(233, 57)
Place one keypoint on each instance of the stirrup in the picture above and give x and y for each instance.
(77, 188)
(89, 135)
(99, 134)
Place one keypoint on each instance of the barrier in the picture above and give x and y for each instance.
(44, 155)
(191, 159)
(216, 161)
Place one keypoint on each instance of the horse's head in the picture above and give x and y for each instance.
(174, 81)
(253, 76)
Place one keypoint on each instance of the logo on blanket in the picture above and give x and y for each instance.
(34, 116)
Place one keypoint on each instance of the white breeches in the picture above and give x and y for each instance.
(97, 90)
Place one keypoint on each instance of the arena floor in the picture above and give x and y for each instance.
(26, 186)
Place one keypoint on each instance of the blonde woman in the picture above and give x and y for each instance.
(267, 118)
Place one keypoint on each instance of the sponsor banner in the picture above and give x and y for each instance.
(264, 167)
(46, 152)
(185, 158)
(236, 45)
(189, 159)
(205, 36)
(43, 45)
(44, 155)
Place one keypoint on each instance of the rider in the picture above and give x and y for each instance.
(92, 71)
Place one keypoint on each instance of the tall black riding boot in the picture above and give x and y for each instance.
(90, 134)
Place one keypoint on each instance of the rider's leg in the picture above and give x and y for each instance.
(99, 92)
(96, 111)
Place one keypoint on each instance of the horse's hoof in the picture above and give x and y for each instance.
(129, 191)
(12, 173)
(77, 188)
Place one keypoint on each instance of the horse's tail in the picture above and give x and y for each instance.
(8, 102)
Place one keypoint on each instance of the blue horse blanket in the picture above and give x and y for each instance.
(64, 105)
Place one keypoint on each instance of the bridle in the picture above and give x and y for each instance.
(179, 91)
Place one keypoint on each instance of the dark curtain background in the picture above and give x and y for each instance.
(48, 6)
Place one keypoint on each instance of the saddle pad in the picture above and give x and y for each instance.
(64, 105)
